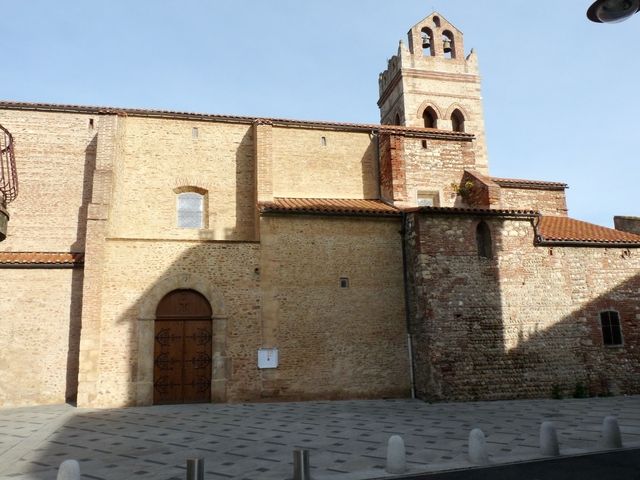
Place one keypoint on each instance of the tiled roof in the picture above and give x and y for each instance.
(41, 258)
(531, 184)
(568, 230)
(474, 211)
(361, 127)
(328, 206)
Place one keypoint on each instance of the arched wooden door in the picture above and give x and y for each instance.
(182, 349)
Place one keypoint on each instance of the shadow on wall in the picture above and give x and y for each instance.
(77, 276)
(370, 168)
(486, 330)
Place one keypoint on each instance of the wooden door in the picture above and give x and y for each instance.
(183, 349)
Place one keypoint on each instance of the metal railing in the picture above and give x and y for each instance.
(8, 172)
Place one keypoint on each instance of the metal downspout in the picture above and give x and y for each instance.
(405, 276)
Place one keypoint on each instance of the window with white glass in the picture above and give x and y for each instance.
(190, 210)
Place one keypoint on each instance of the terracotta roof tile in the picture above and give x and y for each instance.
(41, 258)
(341, 206)
(532, 184)
(563, 229)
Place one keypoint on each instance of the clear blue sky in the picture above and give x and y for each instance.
(560, 93)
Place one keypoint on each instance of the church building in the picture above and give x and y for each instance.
(158, 257)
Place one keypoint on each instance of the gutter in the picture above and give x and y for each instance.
(405, 277)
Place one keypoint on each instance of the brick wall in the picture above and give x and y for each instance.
(522, 323)
(334, 342)
(548, 202)
(39, 335)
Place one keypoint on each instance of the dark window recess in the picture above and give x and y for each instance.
(611, 331)
(91, 123)
(483, 240)
(344, 282)
(323, 141)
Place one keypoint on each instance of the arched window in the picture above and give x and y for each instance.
(457, 121)
(190, 210)
(483, 240)
(611, 329)
(429, 116)
(397, 120)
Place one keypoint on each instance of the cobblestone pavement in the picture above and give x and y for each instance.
(347, 439)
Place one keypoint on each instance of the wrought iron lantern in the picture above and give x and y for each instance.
(8, 178)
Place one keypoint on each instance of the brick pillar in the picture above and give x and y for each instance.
(263, 156)
(393, 184)
(97, 223)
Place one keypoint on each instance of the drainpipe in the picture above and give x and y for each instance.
(405, 275)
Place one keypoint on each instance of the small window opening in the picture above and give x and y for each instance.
(483, 240)
(344, 282)
(428, 199)
(425, 144)
(429, 117)
(611, 330)
(397, 120)
(436, 21)
(190, 210)
(457, 121)
(91, 124)
(323, 141)
(194, 132)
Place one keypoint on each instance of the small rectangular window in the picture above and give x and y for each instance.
(611, 330)
(190, 210)
(344, 282)
(323, 141)
(428, 199)
(194, 132)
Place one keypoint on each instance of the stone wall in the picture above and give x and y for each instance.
(39, 335)
(523, 323)
(547, 202)
(135, 269)
(333, 342)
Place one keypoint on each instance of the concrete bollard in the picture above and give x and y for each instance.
(549, 440)
(478, 453)
(195, 468)
(301, 465)
(69, 470)
(611, 437)
(396, 455)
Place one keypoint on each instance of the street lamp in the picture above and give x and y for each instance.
(612, 11)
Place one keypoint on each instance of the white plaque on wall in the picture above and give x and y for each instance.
(268, 358)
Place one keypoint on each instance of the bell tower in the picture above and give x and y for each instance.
(430, 83)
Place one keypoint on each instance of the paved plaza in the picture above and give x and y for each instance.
(346, 439)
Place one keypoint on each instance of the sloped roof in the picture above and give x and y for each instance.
(336, 206)
(568, 230)
(530, 184)
(41, 258)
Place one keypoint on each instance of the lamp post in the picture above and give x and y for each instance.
(612, 11)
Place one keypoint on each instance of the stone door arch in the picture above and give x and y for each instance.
(149, 302)
(183, 349)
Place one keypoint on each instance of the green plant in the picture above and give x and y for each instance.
(464, 190)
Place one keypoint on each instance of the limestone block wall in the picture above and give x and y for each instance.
(333, 342)
(39, 335)
(161, 155)
(133, 270)
(55, 157)
(522, 323)
(319, 163)
(547, 202)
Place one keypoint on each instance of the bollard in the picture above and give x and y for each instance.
(611, 437)
(69, 470)
(396, 455)
(301, 466)
(549, 440)
(478, 447)
(195, 468)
